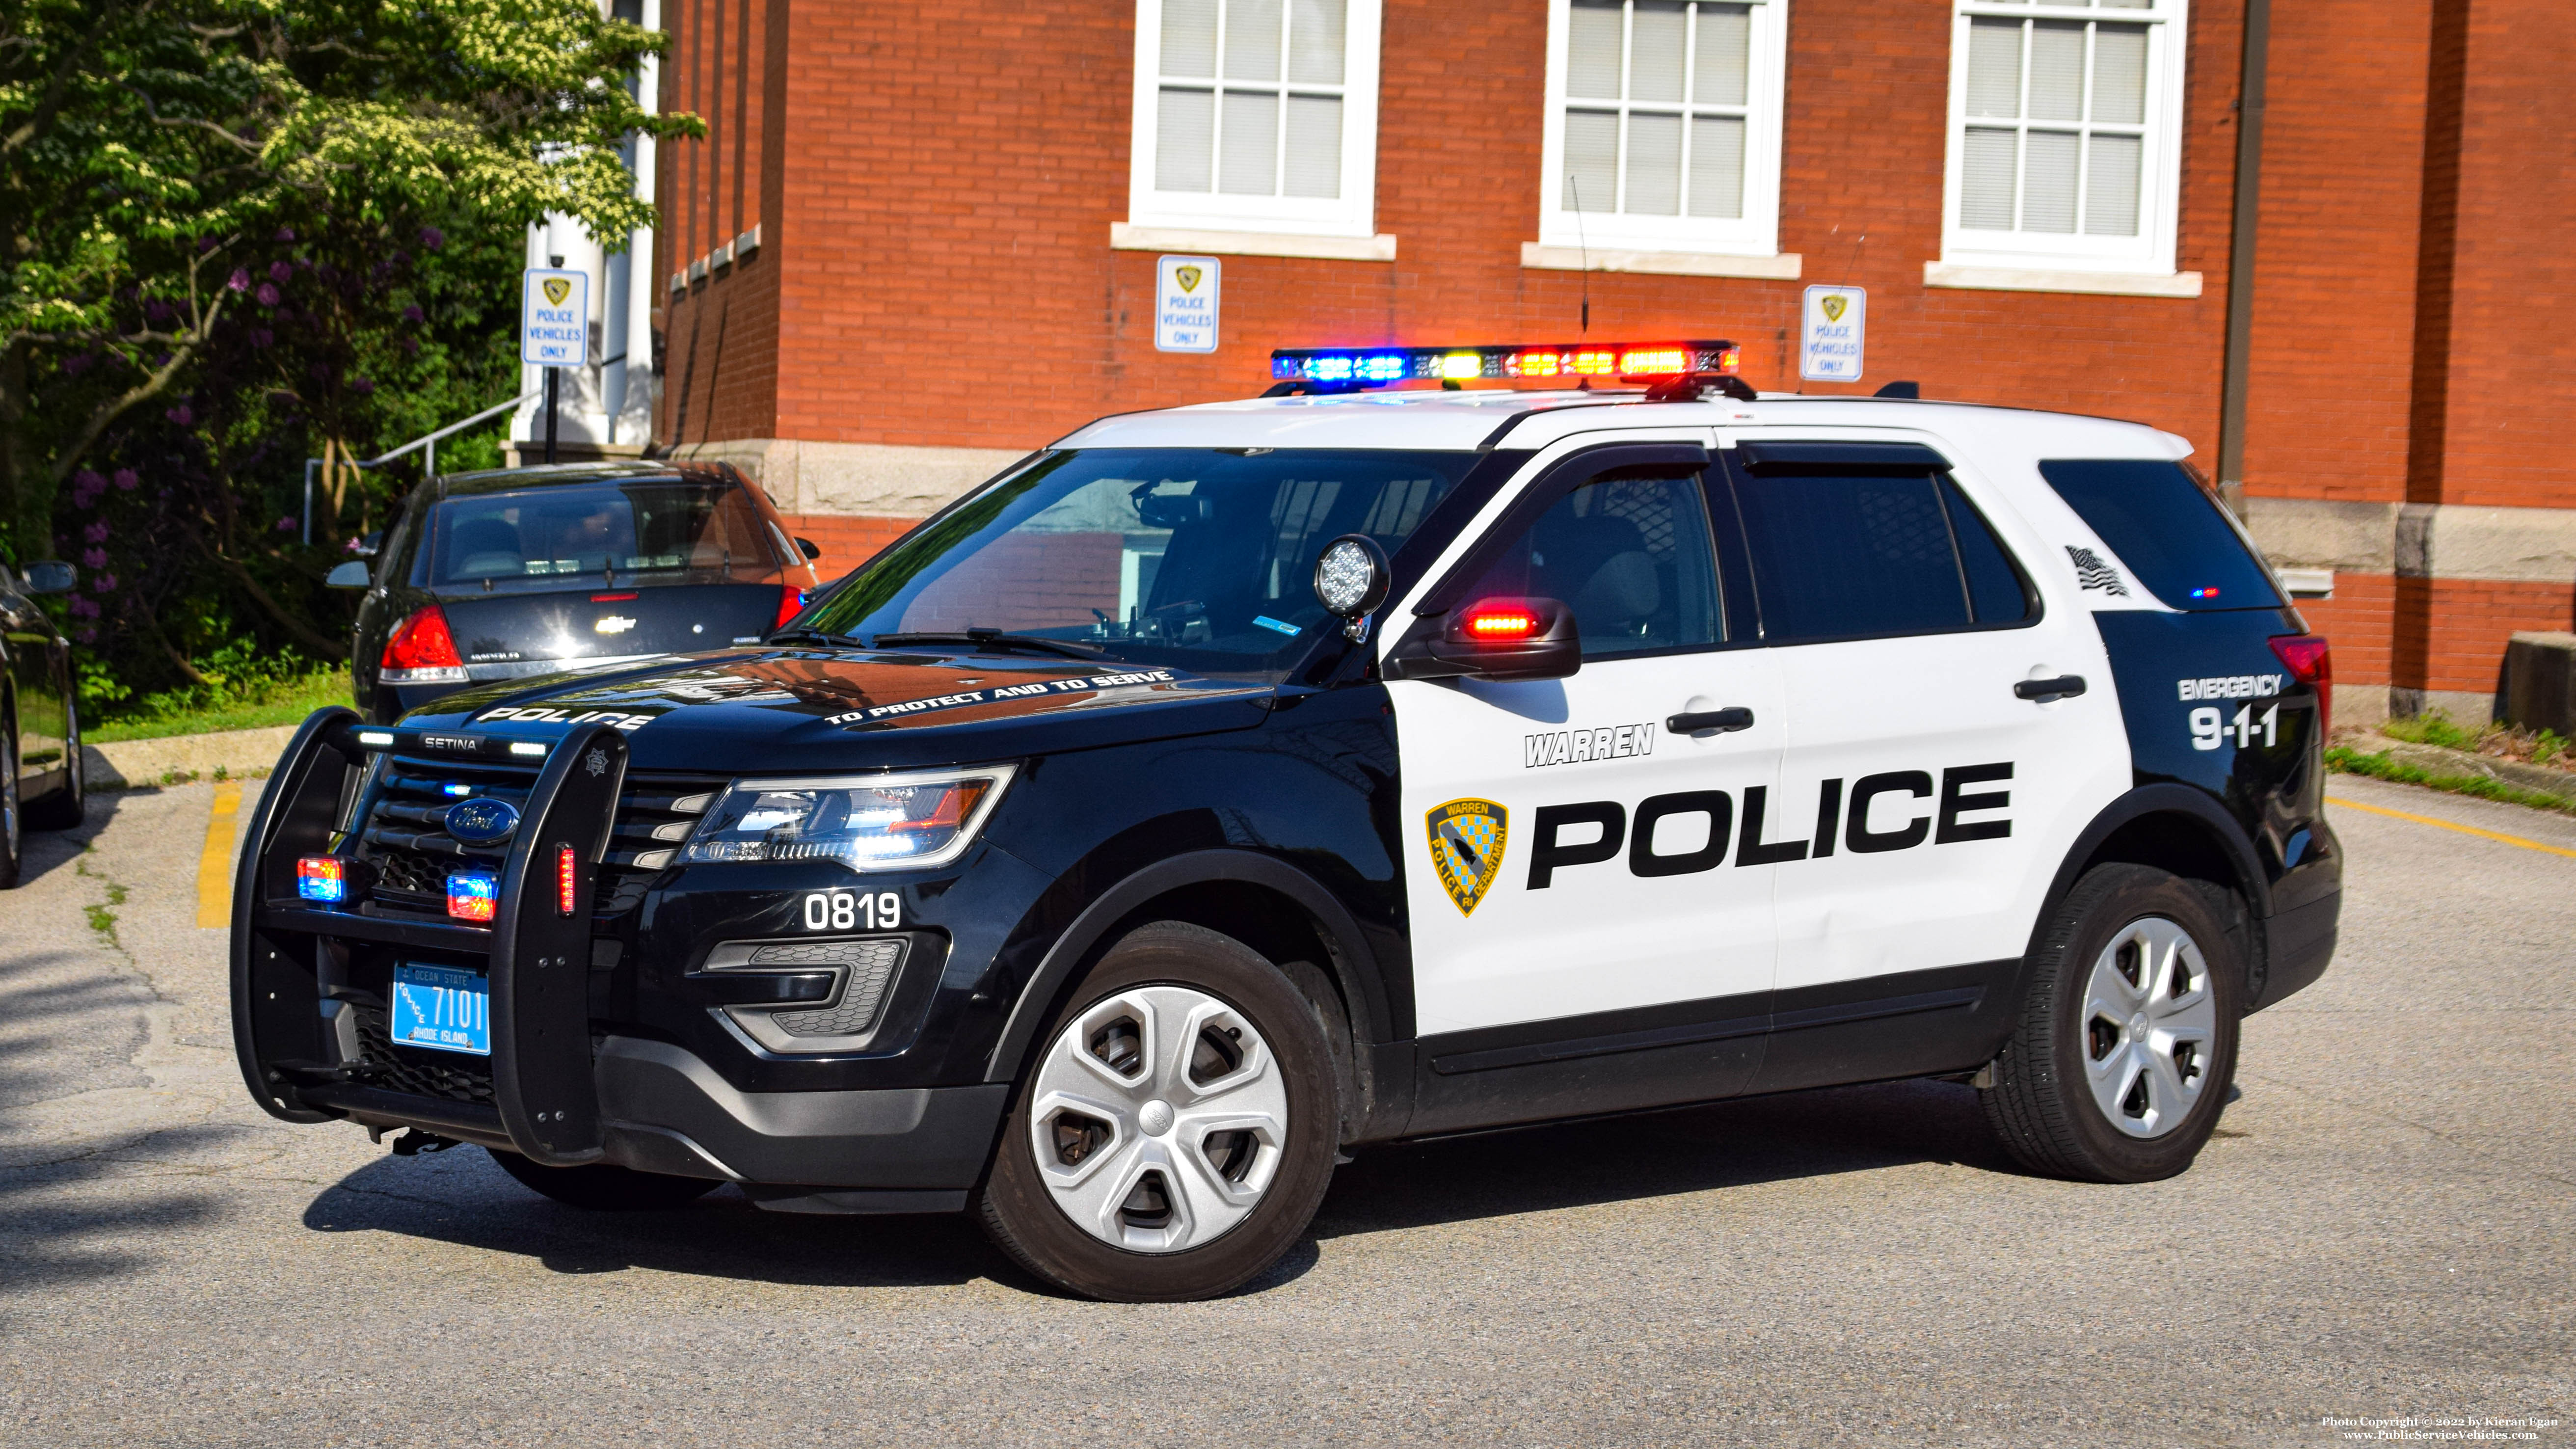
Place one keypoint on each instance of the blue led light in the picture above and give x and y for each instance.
(1283, 367)
(452, 788)
(322, 878)
(473, 895)
(1329, 369)
(1383, 367)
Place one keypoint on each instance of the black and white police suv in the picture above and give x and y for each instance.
(1226, 786)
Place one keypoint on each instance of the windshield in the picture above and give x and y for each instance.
(1199, 558)
(664, 530)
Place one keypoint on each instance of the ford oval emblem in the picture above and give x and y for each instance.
(481, 822)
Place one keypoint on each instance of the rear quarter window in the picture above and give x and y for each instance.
(2166, 528)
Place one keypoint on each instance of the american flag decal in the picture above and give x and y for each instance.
(2092, 573)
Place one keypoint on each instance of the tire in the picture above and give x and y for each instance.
(605, 1188)
(1184, 1060)
(64, 809)
(2121, 1063)
(12, 820)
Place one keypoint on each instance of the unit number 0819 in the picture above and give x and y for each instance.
(853, 910)
(2209, 730)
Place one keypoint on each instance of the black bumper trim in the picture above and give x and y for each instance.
(908, 1138)
(2301, 942)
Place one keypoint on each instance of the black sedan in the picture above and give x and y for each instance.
(529, 571)
(40, 774)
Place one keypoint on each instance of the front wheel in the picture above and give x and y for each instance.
(64, 809)
(1177, 1130)
(2127, 1041)
(12, 826)
(604, 1187)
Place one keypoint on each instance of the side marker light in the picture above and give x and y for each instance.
(567, 879)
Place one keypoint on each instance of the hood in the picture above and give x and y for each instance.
(799, 709)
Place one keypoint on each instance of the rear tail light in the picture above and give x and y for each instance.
(791, 602)
(2311, 661)
(423, 651)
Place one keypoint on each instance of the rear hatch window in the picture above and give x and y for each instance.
(2167, 529)
(645, 531)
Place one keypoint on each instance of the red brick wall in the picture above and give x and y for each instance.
(847, 540)
(2452, 633)
(2358, 620)
(940, 273)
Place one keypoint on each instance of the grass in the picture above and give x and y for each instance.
(279, 702)
(2503, 741)
(2343, 759)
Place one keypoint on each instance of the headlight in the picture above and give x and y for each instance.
(866, 822)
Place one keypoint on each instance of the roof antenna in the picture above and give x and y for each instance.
(1583, 253)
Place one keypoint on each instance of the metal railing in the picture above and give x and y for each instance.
(428, 441)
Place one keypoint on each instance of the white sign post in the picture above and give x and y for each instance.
(554, 328)
(1185, 304)
(1837, 324)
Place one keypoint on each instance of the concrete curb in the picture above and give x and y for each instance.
(2443, 761)
(131, 764)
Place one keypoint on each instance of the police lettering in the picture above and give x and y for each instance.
(1897, 810)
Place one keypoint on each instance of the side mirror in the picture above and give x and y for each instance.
(1495, 639)
(807, 546)
(49, 576)
(1351, 581)
(350, 575)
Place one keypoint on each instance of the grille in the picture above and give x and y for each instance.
(405, 834)
(470, 1080)
(871, 966)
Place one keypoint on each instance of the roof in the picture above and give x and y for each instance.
(565, 475)
(1471, 419)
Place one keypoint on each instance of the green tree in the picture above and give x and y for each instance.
(151, 151)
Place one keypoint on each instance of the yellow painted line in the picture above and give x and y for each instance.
(2463, 829)
(215, 867)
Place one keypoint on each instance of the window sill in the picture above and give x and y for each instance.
(1785, 266)
(2042, 279)
(1126, 238)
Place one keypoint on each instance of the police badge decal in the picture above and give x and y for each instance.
(1467, 840)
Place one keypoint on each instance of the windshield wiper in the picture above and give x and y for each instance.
(817, 636)
(990, 639)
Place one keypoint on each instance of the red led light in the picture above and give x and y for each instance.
(2310, 660)
(473, 895)
(1502, 622)
(567, 879)
(1651, 361)
(611, 598)
(423, 642)
(791, 602)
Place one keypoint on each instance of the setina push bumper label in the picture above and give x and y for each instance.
(1467, 841)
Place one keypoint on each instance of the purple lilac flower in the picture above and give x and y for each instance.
(432, 238)
(127, 478)
(267, 294)
(96, 533)
(261, 337)
(240, 281)
(361, 385)
(103, 584)
(95, 558)
(412, 313)
(286, 524)
(86, 636)
(280, 272)
(286, 233)
(83, 608)
(183, 415)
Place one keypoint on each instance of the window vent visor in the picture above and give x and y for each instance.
(1786, 455)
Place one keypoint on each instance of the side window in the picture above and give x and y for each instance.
(1630, 557)
(2166, 528)
(1862, 555)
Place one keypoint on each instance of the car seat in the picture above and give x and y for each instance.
(485, 548)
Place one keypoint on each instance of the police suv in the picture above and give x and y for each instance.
(1227, 786)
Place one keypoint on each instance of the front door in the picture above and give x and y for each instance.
(1572, 867)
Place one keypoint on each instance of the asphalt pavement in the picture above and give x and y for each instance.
(2383, 1231)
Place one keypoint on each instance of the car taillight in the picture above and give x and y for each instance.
(791, 602)
(2311, 661)
(424, 642)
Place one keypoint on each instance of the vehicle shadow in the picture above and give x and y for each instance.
(460, 1197)
(42, 852)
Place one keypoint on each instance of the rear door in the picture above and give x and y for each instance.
(1572, 870)
(1935, 801)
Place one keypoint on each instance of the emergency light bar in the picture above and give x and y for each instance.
(1626, 361)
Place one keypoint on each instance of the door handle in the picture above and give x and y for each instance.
(1723, 721)
(2064, 686)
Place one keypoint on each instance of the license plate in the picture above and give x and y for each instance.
(443, 1008)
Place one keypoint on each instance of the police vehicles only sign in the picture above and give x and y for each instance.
(1185, 304)
(1829, 344)
(554, 317)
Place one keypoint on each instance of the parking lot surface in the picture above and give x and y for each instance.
(2382, 1230)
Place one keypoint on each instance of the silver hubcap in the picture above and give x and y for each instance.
(1158, 1119)
(2149, 1020)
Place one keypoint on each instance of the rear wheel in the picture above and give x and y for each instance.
(1177, 1129)
(2127, 1043)
(11, 824)
(605, 1188)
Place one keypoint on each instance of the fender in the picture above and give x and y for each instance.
(2162, 798)
(1353, 963)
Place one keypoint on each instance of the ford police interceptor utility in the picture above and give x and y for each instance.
(1226, 786)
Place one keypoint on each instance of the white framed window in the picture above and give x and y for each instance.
(1663, 125)
(2065, 135)
(1256, 116)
